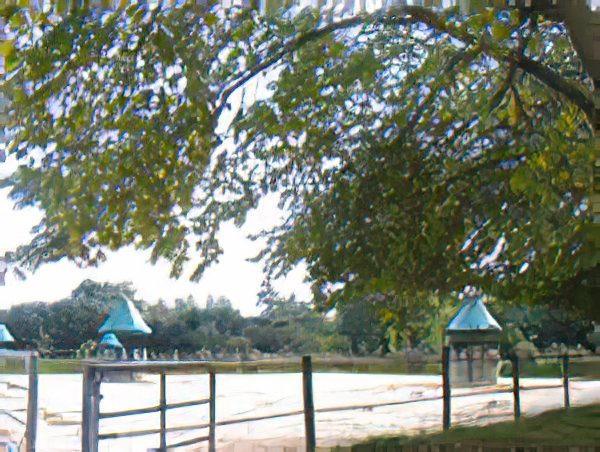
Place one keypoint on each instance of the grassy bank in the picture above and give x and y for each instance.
(584, 368)
(45, 366)
(360, 365)
(541, 368)
(578, 426)
(60, 366)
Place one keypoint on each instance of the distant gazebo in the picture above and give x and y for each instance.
(109, 340)
(5, 336)
(109, 346)
(125, 319)
(472, 334)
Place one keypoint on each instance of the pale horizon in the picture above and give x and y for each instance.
(232, 277)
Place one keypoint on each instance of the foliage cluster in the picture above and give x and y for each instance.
(415, 151)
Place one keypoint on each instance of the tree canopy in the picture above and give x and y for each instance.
(414, 151)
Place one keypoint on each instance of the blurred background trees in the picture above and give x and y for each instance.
(376, 325)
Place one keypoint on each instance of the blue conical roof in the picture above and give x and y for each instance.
(473, 316)
(5, 335)
(124, 318)
(110, 340)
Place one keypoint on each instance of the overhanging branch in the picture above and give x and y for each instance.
(410, 14)
(563, 86)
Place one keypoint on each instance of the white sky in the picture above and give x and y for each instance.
(232, 277)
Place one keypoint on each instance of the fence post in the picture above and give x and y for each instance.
(212, 407)
(32, 402)
(470, 363)
(446, 387)
(163, 412)
(565, 375)
(309, 407)
(483, 362)
(95, 414)
(516, 385)
(86, 415)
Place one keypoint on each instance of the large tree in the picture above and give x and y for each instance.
(414, 150)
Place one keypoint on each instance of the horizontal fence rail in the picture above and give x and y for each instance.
(154, 409)
(190, 442)
(291, 365)
(155, 431)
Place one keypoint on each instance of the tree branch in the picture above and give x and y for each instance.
(410, 14)
(551, 79)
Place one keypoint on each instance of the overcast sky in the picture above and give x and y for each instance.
(232, 277)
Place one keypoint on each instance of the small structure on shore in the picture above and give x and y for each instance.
(474, 336)
(110, 347)
(126, 320)
(5, 336)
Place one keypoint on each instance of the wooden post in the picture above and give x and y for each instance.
(163, 412)
(565, 375)
(95, 414)
(309, 407)
(516, 385)
(483, 362)
(470, 363)
(32, 402)
(212, 407)
(446, 387)
(86, 415)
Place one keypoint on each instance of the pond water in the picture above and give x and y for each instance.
(246, 395)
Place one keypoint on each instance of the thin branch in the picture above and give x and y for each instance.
(559, 84)
(464, 57)
(519, 102)
(410, 14)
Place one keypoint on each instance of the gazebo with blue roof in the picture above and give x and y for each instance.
(5, 336)
(109, 340)
(109, 346)
(473, 326)
(124, 319)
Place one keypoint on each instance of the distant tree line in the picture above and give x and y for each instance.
(285, 326)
